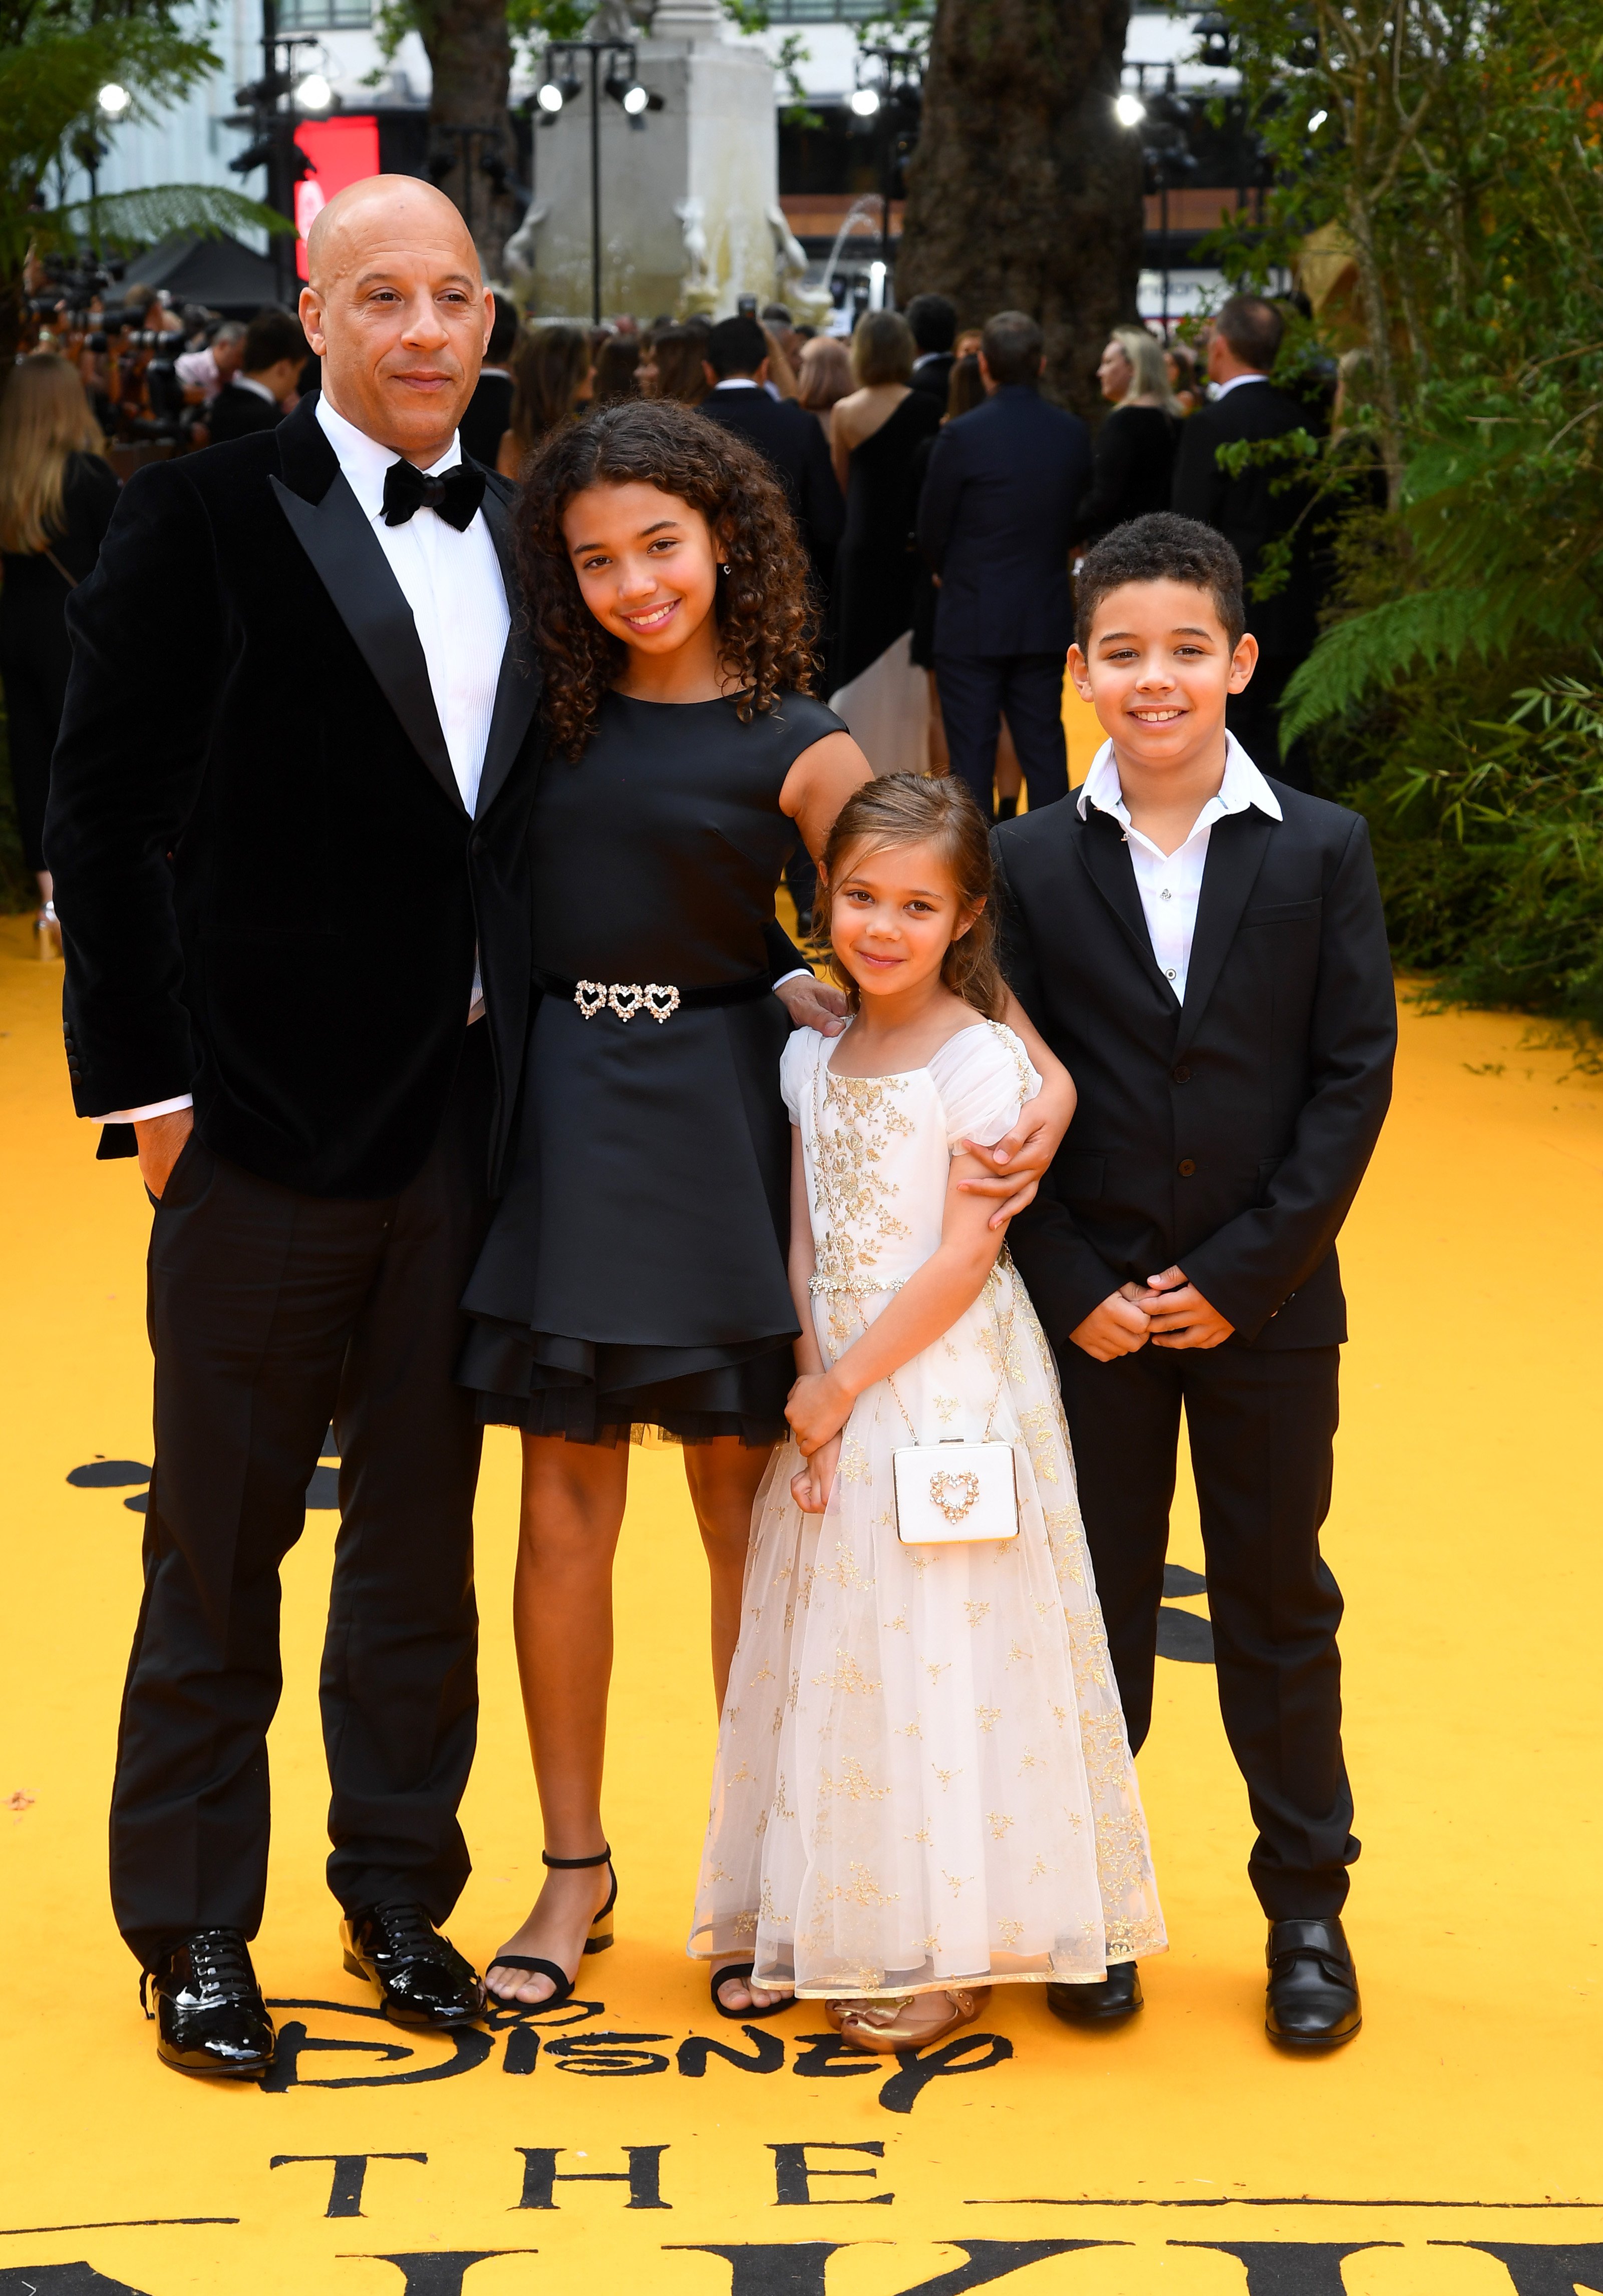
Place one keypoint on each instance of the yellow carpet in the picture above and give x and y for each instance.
(1454, 2150)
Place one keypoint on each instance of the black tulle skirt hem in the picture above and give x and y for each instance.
(585, 1391)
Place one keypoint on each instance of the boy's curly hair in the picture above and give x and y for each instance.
(764, 611)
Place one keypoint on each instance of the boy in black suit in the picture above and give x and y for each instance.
(1205, 950)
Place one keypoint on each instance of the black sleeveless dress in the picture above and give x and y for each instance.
(635, 1272)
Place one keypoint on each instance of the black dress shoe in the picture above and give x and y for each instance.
(1117, 1997)
(1312, 1985)
(210, 2017)
(422, 1978)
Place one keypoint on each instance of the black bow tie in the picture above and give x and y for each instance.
(453, 496)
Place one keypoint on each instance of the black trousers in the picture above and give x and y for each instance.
(271, 1313)
(975, 690)
(1261, 1425)
(1254, 717)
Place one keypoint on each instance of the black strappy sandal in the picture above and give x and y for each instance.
(597, 1938)
(742, 1970)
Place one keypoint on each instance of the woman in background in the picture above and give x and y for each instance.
(825, 379)
(1132, 456)
(1180, 365)
(616, 368)
(554, 375)
(57, 494)
(673, 368)
(874, 435)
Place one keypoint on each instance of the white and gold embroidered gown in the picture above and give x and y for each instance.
(922, 1777)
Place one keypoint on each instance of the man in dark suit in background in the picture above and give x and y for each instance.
(1242, 349)
(489, 413)
(933, 320)
(270, 366)
(994, 520)
(793, 442)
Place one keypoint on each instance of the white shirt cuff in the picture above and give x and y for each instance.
(801, 972)
(143, 1115)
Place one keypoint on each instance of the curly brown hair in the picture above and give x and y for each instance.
(765, 613)
(919, 809)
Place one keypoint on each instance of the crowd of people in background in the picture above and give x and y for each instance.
(942, 500)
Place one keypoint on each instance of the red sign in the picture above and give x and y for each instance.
(344, 149)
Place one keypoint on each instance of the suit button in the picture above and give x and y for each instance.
(1182, 1076)
(1187, 1167)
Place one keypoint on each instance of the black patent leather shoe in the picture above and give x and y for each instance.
(210, 2017)
(422, 1978)
(1312, 1985)
(1117, 1997)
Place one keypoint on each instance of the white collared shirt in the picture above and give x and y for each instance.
(1170, 884)
(1218, 390)
(453, 584)
(258, 389)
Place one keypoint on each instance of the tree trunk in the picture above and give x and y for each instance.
(1025, 193)
(471, 52)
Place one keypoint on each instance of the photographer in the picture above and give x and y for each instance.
(204, 373)
(256, 398)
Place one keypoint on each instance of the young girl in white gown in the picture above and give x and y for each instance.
(922, 1784)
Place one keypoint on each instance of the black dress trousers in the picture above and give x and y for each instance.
(1262, 1422)
(271, 1314)
(975, 690)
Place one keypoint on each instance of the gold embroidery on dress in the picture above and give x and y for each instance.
(1000, 1823)
(852, 1784)
(976, 1611)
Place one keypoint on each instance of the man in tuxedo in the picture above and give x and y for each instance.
(1205, 949)
(736, 364)
(995, 516)
(933, 322)
(489, 412)
(1251, 515)
(270, 362)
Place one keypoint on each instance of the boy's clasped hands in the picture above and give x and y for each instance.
(1168, 1311)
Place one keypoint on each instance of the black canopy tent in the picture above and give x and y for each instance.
(222, 274)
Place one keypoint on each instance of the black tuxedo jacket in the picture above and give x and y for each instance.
(236, 413)
(486, 418)
(1246, 511)
(933, 373)
(995, 517)
(1226, 1136)
(794, 444)
(270, 889)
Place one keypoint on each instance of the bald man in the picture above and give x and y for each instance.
(276, 907)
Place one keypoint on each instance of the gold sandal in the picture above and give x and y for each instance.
(878, 2029)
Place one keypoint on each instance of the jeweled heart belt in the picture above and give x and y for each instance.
(659, 999)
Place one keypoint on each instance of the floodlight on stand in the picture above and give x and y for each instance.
(865, 102)
(634, 100)
(1317, 122)
(113, 100)
(1129, 109)
(314, 93)
(549, 97)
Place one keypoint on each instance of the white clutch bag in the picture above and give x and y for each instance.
(953, 1493)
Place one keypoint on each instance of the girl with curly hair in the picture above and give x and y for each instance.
(635, 1272)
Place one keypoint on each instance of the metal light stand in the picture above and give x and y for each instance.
(559, 71)
(901, 74)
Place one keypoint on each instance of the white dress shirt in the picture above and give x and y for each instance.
(1218, 390)
(1171, 883)
(453, 584)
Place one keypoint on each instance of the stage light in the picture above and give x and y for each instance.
(1129, 110)
(314, 93)
(549, 98)
(113, 100)
(865, 102)
(634, 100)
(1317, 122)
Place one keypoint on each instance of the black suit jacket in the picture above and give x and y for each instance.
(933, 373)
(236, 413)
(486, 418)
(1228, 1136)
(995, 518)
(1246, 511)
(270, 889)
(794, 443)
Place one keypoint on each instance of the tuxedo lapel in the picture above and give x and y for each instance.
(1107, 857)
(353, 569)
(518, 687)
(1235, 855)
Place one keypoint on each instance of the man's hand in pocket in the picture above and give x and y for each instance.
(161, 1140)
